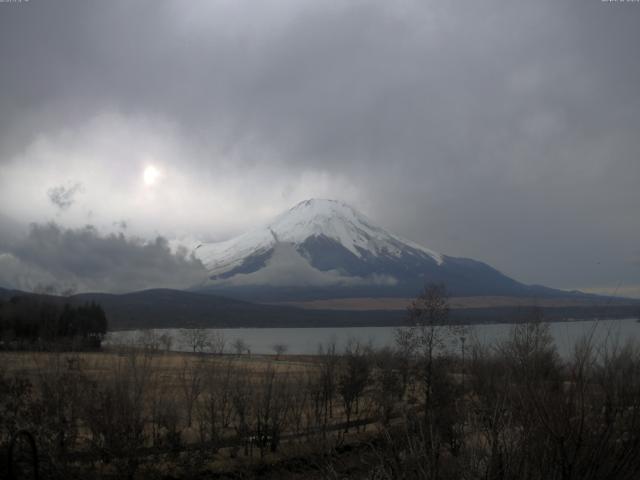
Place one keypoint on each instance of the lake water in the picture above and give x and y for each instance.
(307, 340)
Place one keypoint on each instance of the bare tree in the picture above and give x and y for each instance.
(216, 407)
(327, 378)
(314, 386)
(61, 382)
(217, 342)
(406, 344)
(300, 407)
(242, 399)
(191, 379)
(271, 406)
(388, 382)
(114, 412)
(530, 349)
(149, 341)
(354, 377)
(240, 346)
(196, 338)
(166, 341)
(428, 313)
(279, 349)
(164, 415)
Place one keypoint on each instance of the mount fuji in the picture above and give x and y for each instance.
(323, 249)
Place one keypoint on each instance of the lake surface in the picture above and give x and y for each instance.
(307, 340)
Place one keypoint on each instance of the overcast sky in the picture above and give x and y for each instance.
(504, 131)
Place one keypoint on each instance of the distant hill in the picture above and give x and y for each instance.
(164, 308)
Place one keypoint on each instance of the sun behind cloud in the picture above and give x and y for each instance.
(151, 175)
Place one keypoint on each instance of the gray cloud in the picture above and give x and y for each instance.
(15, 273)
(63, 196)
(121, 224)
(84, 260)
(506, 132)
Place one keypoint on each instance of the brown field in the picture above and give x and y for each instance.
(168, 364)
(364, 303)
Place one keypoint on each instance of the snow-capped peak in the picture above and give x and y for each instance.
(340, 222)
(311, 218)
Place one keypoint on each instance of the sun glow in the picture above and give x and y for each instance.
(151, 175)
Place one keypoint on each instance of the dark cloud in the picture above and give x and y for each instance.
(87, 261)
(63, 196)
(504, 131)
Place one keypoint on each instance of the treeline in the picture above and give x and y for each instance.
(35, 321)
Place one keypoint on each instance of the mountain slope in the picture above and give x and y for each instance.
(327, 249)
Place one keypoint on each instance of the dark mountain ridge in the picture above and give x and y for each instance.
(165, 308)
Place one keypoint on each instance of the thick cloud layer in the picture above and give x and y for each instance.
(503, 131)
(83, 260)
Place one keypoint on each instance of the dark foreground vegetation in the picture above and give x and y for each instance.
(436, 406)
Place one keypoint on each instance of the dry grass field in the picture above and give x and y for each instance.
(166, 363)
(180, 412)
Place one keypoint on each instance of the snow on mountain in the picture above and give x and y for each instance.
(340, 222)
(221, 257)
(310, 220)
